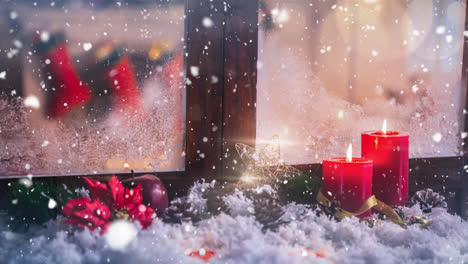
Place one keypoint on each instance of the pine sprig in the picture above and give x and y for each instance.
(35, 202)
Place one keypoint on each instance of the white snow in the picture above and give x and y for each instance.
(120, 234)
(194, 70)
(87, 46)
(52, 203)
(32, 101)
(437, 137)
(207, 22)
(239, 239)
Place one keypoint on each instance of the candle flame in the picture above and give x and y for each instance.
(349, 153)
(384, 126)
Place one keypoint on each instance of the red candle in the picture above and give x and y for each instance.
(348, 180)
(389, 152)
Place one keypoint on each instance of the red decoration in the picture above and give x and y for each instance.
(349, 181)
(172, 75)
(108, 204)
(202, 254)
(390, 153)
(70, 91)
(86, 213)
(172, 72)
(124, 86)
(317, 254)
(153, 191)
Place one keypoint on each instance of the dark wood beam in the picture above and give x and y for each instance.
(240, 81)
(204, 40)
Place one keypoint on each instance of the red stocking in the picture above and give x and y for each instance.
(124, 86)
(121, 78)
(70, 92)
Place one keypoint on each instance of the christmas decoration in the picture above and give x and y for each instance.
(158, 50)
(349, 181)
(329, 208)
(301, 188)
(119, 74)
(86, 213)
(34, 202)
(203, 200)
(268, 213)
(293, 241)
(214, 199)
(370, 221)
(397, 209)
(420, 220)
(172, 73)
(68, 91)
(390, 167)
(371, 202)
(265, 164)
(153, 191)
(202, 254)
(108, 203)
(266, 205)
(428, 199)
(180, 210)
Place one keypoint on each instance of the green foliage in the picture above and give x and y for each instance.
(301, 188)
(36, 202)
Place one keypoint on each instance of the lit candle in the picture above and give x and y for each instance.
(389, 152)
(348, 180)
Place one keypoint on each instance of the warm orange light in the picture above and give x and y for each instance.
(145, 163)
(384, 126)
(349, 153)
(247, 178)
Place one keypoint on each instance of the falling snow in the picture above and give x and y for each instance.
(194, 70)
(87, 46)
(207, 22)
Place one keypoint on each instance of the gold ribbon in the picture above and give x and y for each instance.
(371, 202)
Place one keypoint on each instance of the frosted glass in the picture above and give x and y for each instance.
(329, 70)
(102, 135)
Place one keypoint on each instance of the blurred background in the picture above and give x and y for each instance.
(342, 67)
(91, 86)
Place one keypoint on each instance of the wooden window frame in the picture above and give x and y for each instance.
(444, 174)
(221, 101)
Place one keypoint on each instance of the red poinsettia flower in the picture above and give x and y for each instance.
(115, 202)
(86, 213)
(99, 191)
(143, 214)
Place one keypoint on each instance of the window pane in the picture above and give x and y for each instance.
(91, 87)
(329, 70)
